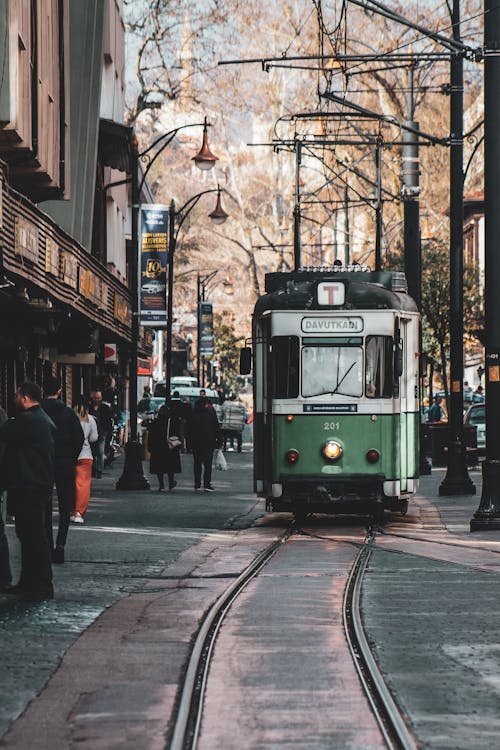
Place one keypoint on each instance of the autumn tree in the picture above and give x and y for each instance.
(227, 350)
(436, 304)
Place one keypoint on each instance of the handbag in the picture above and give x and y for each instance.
(173, 441)
(220, 460)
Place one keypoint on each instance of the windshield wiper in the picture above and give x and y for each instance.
(342, 379)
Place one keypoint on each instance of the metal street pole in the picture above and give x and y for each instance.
(378, 208)
(132, 477)
(297, 249)
(487, 515)
(347, 241)
(170, 294)
(457, 480)
(198, 346)
(218, 216)
(412, 244)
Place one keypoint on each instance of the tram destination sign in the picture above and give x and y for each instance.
(330, 408)
(338, 324)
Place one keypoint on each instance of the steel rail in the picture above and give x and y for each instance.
(385, 710)
(188, 720)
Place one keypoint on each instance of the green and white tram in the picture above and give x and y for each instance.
(336, 397)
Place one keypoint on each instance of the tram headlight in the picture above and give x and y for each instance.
(332, 450)
(372, 456)
(292, 456)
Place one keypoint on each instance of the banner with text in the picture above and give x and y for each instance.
(206, 328)
(153, 244)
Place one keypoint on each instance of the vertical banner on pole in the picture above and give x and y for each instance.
(206, 328)
(153, 250)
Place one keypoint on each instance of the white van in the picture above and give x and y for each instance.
(179, 381)
(190, 395)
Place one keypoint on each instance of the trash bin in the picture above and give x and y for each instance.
(439, 434)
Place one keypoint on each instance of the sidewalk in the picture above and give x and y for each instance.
(117, 572)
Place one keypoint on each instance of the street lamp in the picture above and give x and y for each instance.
(176, 220)
(133, 477)
(202, 284)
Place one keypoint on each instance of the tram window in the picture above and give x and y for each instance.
(379, 369)
(331, 370)
(285, 366)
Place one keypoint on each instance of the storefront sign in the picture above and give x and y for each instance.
(69, 269)
(206, 328)
(144, 366)
(121, 310)
(110, 353)
(52, 258)
(93, 288)
(153, 257)
(26, 239)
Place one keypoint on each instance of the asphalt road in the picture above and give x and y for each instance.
(127, 540)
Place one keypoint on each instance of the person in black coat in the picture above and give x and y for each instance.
(29, 478)
(164, 460)
(68, 444)
(204, 436)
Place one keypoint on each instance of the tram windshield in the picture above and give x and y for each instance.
(331, 370)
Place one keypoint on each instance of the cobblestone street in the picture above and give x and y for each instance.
(125, 545)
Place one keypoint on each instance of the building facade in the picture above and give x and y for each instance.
(65, 291)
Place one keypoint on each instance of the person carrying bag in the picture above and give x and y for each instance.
(164, 446)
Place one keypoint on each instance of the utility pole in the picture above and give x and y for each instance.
(487, 515)
(347, 246)
(457, 480)
(378, 208)
(412, 245)
(297, 249)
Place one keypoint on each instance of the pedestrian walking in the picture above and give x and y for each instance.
(101, 411)
(83, 475)
(233, 421)
(5, 572)
(164, 460)
(68, 444)
(29, 478)
(204, 436)
(436, 412)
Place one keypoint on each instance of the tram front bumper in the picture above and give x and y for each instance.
(317, 489)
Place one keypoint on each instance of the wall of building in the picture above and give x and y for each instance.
(86, 51)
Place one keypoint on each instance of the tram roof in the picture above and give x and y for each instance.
(365, 290)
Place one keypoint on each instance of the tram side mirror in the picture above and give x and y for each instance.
(245, 360)
(398, 359)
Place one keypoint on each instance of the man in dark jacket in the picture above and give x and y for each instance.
(29, 478)
(204, 437)
(69, 441)
(101, 411)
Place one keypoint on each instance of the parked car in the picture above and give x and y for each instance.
(476, 416)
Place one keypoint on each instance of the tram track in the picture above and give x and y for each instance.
(187, 725)
(387, 714)
(390, 721)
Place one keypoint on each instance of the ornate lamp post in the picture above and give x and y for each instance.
(133, 477)
(177, 218)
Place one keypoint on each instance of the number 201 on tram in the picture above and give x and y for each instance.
(336, 397)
